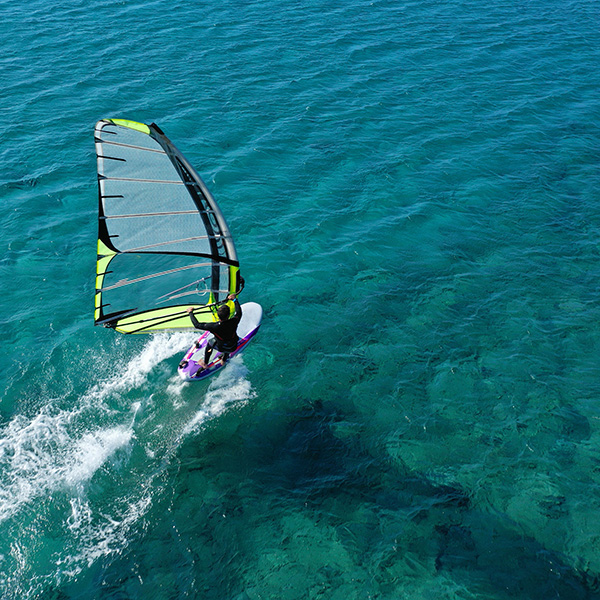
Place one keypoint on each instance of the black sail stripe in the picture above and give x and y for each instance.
(112, 158)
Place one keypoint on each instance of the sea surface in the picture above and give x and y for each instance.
(414, 192)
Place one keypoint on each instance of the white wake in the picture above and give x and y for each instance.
(52, 458)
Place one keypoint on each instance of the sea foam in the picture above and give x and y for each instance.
(59, 448)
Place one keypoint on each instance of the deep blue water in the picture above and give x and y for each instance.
(413, 192)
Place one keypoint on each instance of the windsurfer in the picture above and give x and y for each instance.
(224, 331)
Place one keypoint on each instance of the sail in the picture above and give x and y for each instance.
(163, 244)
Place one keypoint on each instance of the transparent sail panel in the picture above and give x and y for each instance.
(171, 244)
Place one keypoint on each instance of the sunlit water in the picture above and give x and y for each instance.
(413, 191)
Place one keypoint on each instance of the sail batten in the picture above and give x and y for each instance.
(161, 181)
(113, 143)
(146, 277)
(157, 214)
(200, 237)
(156, 218)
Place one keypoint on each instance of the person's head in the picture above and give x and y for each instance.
(223, 312)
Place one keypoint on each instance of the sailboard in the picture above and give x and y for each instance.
(190, 368)
(163, 243)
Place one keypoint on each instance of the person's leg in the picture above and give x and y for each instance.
(231, 347)
(208, 351)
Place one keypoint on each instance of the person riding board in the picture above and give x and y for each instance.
(224, 331)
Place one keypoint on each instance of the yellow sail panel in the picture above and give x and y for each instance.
(163, 319)
(141, 127)
(105, 255)
(233, 280)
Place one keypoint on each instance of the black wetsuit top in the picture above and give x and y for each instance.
(224, 331)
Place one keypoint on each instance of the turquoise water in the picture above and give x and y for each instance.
(413, 190)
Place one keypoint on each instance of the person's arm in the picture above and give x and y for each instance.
(197, 324)
(238, 309)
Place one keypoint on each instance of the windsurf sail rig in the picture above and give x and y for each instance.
(163, 243)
